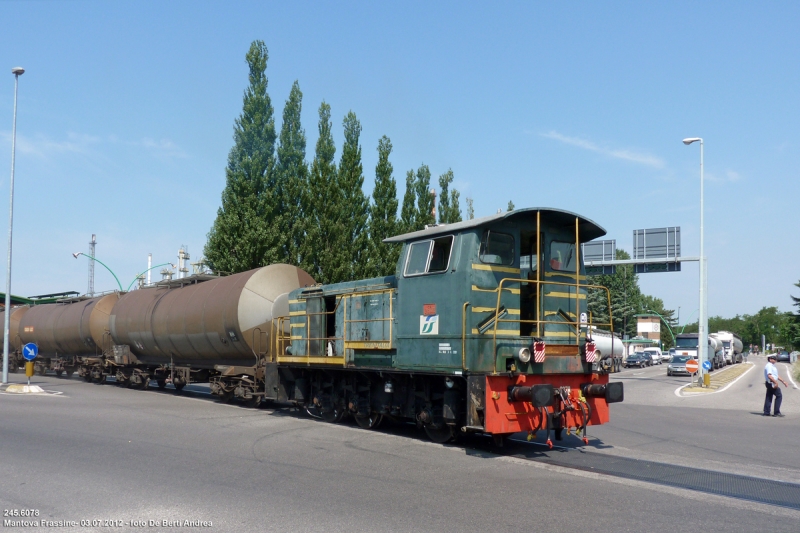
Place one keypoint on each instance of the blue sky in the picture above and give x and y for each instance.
(126, 113)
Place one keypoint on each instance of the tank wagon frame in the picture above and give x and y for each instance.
(484, 327)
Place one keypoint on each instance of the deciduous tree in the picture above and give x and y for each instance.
(243, 235)
(383, 215)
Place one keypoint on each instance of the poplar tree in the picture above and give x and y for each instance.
(383, 215)
(425, 201)
(352, 240)
(510, 206)
(293, 177)
(242, 236)
(408, 216)
(470, 209)
(322, 206)
(449, 209)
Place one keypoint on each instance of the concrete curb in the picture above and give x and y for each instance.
(679, 392)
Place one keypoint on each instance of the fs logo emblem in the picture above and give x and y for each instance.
(429, 325)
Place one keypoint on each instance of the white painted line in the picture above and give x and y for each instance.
(789, 373)
(695, 394)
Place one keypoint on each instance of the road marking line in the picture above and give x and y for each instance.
(789, 373)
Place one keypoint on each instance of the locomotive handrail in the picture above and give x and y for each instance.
(538, 322)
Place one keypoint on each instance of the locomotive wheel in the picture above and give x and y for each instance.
(179, 386)
(12, 368)
(253, 402)
(225, 397)
(87, 378)
(162, 384)
(59, 372)
(441, 434)
(333, 416)
(371, 421)
(100, 380)
(41, 371)
(69, 373)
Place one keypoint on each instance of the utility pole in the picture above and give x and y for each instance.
(92, 245)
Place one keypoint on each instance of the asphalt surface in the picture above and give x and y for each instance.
(102, 453)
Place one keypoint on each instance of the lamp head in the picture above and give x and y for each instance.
(76, 254)
(17, 71)
(690, 140)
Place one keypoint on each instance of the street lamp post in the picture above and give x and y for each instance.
(702, 326)
(76, 254)
(17, 72)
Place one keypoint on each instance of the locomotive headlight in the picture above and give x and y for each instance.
(524, 355)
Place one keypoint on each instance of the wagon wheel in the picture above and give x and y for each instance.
(179, 386)
(41, 370)
(59, 372)
(101, 379)
(69, 373)
(440, 434)
(162, 384)
(253, 402)
(333, 415)
(12, 367)
(371, 421)
(87, 378)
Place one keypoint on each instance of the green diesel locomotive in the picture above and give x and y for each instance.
(483, 328)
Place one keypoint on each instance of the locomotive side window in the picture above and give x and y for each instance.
(429, 257)
(562, 256)
(497, 248)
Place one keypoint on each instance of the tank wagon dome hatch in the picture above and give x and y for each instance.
(208, 320)
(589, 230)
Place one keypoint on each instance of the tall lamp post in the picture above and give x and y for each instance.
(702, 325)
(17, 72)
(78, 254)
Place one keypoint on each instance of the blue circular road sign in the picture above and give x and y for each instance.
(30, 351)
(707, 365)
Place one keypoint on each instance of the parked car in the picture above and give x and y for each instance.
(783, 356)
(678, 365)
(639, 359)
(655, 355)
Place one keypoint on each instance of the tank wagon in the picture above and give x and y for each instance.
(15, 359)
(66, 331)
(479, 330)
(201, 328)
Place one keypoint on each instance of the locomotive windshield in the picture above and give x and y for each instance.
(562, 256)
(497, 248)
(429, 257)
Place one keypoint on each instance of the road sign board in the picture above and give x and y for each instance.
(692, 366)
(707, 365)
(30, 351)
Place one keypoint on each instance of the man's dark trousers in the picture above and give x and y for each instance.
(773, 391)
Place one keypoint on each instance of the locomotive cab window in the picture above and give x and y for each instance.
(562, 256)
(429, 257)
(497, 248)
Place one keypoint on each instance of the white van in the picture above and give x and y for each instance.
(655, 355)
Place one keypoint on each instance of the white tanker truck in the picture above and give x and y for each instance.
(731, 345)
(686, 344)
(609, 349)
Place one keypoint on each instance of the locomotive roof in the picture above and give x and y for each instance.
(588, 228)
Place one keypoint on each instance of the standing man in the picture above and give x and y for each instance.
(771, 379)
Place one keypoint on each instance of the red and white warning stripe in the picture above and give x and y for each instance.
(591, 352)
(538, 352)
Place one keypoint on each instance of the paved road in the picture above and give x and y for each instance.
(105, 453)
(721, 431)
